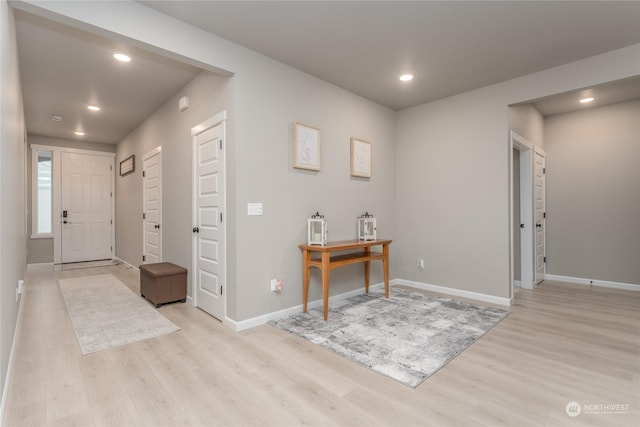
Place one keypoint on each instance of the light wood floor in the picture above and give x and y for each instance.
(561, 343)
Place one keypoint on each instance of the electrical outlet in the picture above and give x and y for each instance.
(276, 285)
(420, 263)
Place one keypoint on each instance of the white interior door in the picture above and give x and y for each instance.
(152, 209)
(209, 203)
(540, 216)
(86, 197)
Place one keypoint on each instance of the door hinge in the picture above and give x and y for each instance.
(544, 170)
(221, 288)
(143, 258)
(221, 144)
(544, 215)
(111, 221)
(521, 225)
(220, 216)
(111, 248)
(144, 174)
(144, 215)
(544, 259)
(111, 194)
(110, 168)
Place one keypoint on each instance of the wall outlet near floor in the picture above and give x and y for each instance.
(276, 285)
(420, 263)
(19, 289)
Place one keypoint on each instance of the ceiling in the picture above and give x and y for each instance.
(361, 46)
(63, 70)
(450, 46)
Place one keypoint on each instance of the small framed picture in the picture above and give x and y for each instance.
(128, 165)
(360, 158)
(306, 146)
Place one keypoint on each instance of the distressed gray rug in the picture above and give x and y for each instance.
(105, 313)
(407, 337)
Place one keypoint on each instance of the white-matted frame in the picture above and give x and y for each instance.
(360, 158)
(306, 146)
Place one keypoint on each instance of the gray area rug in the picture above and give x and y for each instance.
(105, 313)
(407, 337)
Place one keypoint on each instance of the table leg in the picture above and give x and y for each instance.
(326, 257)
(385, 268)
(306, 255)
(367, 269)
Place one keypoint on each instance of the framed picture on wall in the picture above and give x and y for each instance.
(306, 146)
(360, 158)
(128, 165)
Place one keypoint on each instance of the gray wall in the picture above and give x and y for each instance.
(13, 233)
(447, 200)
(171, 129)
(41, 250)
(593, 193)
(452, 187)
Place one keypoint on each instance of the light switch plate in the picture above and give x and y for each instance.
(254, 208)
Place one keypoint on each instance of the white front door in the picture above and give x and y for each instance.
(152, 209)
(86, 196)
(209, 232)
(540, 216)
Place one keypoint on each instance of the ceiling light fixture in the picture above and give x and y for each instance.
(586, 100)
(406, 77)
(79, 133)
(93, 107)
(56, 118)
(122, 57)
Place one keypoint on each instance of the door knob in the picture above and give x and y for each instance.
(196, 230)
(156, 226)
(538, 225)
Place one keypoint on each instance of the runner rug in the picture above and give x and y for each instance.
(105, 313)
(407, 337)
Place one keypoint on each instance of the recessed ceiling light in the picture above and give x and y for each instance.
(79, 133)
(406, 77)
(122, 57)
(586, 100)
(56, 118)
(93, 107)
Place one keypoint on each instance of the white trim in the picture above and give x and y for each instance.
(527, 241)
(209, 123)
(261, 320)
(517, 284)
(455, 292)
(72, 150)
(594, 282)
(152, 153)
(12, 356)
(40, 264)
(217, 119)
(115, 258)
(189, 300)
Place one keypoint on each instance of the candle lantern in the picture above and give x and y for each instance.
(317, 230)
(366, 227)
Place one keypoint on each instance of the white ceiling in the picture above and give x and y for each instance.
(450, 46)
(63, 70)
(361, 46)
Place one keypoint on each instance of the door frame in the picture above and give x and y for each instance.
(147, 156)
(217, 119)
(540, 151)
(56, 173)
(527, 238)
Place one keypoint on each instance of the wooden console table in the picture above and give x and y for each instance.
(326, 263)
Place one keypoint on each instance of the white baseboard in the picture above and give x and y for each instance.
(115, 258)
(517, 283)
(261, 320)
(7, 381)
(189, 300)
(601, 283)
(455, 292)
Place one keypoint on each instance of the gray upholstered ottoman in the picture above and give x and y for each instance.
(163, 282)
